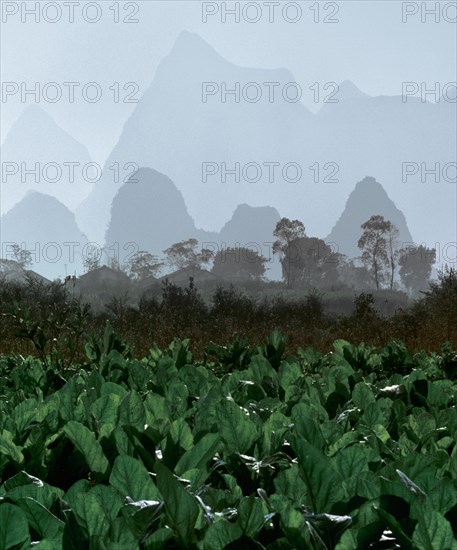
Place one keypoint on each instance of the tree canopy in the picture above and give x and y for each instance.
(239, 263)
(373, 244)
(185, 254)
(143, 264)
(416, 266)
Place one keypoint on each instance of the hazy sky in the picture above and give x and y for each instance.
(370, 45)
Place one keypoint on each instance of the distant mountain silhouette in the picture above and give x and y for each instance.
(151, 213)
(347, 90)
(255, 223)
(36, 138)
(43, 225)
(368, 198)
(173, 131)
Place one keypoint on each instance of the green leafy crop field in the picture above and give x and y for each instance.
(245, 448)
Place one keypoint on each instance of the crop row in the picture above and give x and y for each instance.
(246, 448)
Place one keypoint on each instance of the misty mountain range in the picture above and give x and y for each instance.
(149, 212)
(36, 138)
(172, 132)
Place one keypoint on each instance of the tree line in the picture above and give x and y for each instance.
(306, 261)
(309, 261)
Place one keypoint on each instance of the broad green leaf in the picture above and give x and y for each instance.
(197, 379)
(292, 521)
(121, 536)
(220, 534)
(166, 372)
(416, 467)
(323, 484)
(233, 486)
(158, 539)
(71, 408)
(305, 419)
(9, 448)
(176, 396)
(45, 544)
(112, 388)
(46, 524)
(263, 372)
(440, 393)
(327, 528)
(206, 416)
(24, 485)
(105, 411)
(251, 516)
(433, 531)
(343, 442)
(288, 373)
(156, 408)
(111, 545)
(235, 427)
(84, 440)
(121, 439)
(131, 411)
(14, 529)
(362, 395)
(131, 479)
(381, 433)
(20, 479)
(441, 493)
(178, 440)
(139, 375)
(181, 434)
(144, 517)
(367, 485)
(110, 500)
(24, 413)
(81, 486)
(348, 541)
(198, 456)
(421, 423)
(372, 415)
(351, 461)
(48, 410)
(289, 483)
(273, 433)
(90, 514)
(340, 345)
(196, 477)
(453, 463)
(181, 507)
